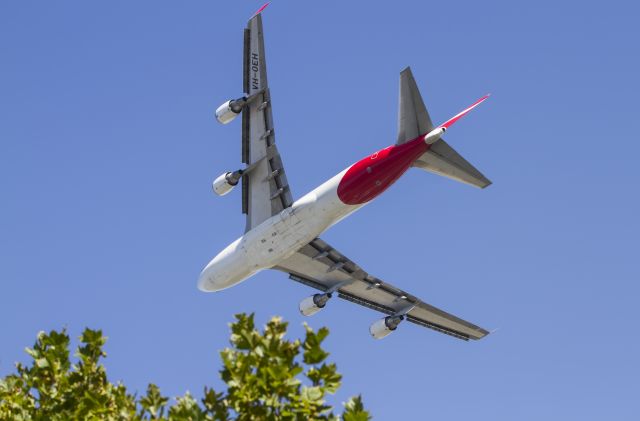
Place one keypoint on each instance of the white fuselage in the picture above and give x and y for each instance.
(277, 238)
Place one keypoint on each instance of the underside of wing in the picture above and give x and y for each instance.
(322, 267)
(265, 190)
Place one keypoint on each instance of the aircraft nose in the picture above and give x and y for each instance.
(224, 270)
(204, 281)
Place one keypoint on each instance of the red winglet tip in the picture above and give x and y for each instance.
(264, 6)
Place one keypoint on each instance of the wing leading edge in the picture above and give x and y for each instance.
(320, 266)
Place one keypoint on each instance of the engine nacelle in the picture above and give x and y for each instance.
(230, 110)
(385, 326)
(311, 305)
(226, 182)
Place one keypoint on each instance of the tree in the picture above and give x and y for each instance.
(267, 377)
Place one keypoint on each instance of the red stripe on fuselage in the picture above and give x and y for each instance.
(369, 177)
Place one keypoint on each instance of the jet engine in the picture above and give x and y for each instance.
(311, 305)
(226, 182)
(385, 326)
(230, 110)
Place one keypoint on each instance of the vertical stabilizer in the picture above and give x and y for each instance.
(413, 118)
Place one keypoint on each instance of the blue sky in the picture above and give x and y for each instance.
(108, 147)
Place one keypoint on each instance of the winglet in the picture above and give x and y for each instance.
(458, 116)
(264, 6)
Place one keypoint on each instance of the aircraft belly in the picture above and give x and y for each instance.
(371, 176)
(322, 207)
(277, 238)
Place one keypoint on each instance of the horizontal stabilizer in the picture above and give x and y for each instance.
(443, 160)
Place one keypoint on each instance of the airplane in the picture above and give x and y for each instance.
(283, 234)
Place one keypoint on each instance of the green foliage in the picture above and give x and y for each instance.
(266, 376)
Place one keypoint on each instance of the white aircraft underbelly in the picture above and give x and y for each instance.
(276, 238)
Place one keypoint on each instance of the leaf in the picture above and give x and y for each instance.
(153, 404)
(312, 394)
(354, 410)
(313, 352)
(42, 362)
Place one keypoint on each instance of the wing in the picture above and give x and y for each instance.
(265, 190)
(321, 266)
